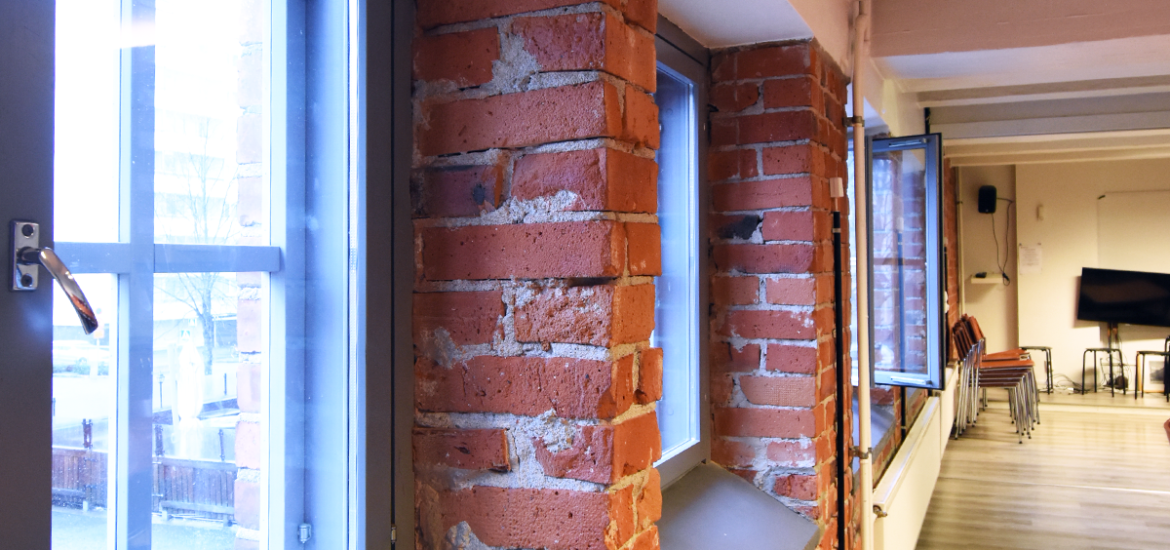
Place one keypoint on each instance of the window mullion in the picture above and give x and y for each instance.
(133, 469)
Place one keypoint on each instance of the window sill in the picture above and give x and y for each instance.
(710, 507)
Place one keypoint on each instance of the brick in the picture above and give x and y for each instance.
(788, 226)
(791, 358)
(731, 453)
(596, 315)
(735, 226)
(528, 386)
(724, 131)
(726, 358)
(250, 207)
(778, 126)
(589, 458)
(735, 291)
(637, 444)
(643, 13)
(779, 391)
(433, 13)
(722, 389)
(248, 386)
(793, 454)
(798, 291)
(775, 61)
(732, 98)
(599, 179)
(589, 41)
(521, 119)
(646, 540)
(249, 139)
(459, 191)
(757, 195)
(250, 78)
(764, 258)
(640, 119)
(801, 487)
(466, 317)
(779, 423)
(644, 252)
(464, 58)
(794, 92)
(624, 524)
(250, 445)
(792, 159)
(249, 325)
(528, 251)
(556, 519)
(767, 324)
(463, 449)
(649, 376)
(246, 500)
(723, 66)
(725, 165)
(648, 502)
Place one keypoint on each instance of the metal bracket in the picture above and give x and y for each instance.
(856, 451)
(855, 121)
(877, 510)
(24, 235)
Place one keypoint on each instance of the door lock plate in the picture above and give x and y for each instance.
(24, 235)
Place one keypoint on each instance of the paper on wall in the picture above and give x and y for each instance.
(1031, 258)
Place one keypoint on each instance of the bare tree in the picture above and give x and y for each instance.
(206, 207)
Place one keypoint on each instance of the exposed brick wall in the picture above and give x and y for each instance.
(951, 232)
(776, 139)
(536, 242)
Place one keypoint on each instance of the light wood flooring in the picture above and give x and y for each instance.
(1095, 475)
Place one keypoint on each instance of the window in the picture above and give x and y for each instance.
(220, 400)
(906, 284)
(680, 314)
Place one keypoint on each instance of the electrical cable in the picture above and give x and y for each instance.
(1006, 233)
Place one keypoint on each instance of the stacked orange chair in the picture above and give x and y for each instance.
(1012, 370)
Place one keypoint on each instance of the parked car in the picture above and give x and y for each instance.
(79, 356)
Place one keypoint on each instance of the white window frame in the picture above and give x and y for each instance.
(683, 194)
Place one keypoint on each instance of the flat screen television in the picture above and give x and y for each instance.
(1133, 297)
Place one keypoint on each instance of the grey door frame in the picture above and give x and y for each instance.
(27, 35)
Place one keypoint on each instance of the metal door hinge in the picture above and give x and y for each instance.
(393, 535)
(304, 533)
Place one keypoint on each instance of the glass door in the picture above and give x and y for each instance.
(178, 153)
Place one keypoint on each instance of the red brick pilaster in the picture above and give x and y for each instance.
(777, 138)
(536, 243)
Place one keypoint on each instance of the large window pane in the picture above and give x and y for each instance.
(85, 164)
(905, 253)
(83, 400)
(205, 342)
(209, 107)
(676, 290)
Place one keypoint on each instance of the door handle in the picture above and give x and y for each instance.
(27, 254)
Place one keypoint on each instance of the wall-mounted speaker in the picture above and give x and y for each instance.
(987, 199)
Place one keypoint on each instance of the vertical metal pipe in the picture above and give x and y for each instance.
(860, 202)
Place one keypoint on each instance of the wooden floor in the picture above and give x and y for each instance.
(1096, 474)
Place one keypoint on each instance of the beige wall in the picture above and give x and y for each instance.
(1068, 236)
(994, 305)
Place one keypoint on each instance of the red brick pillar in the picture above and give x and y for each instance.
(776, 139)
(534, 196)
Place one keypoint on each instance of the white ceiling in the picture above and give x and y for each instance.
(722, 24)
(1051, 80)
